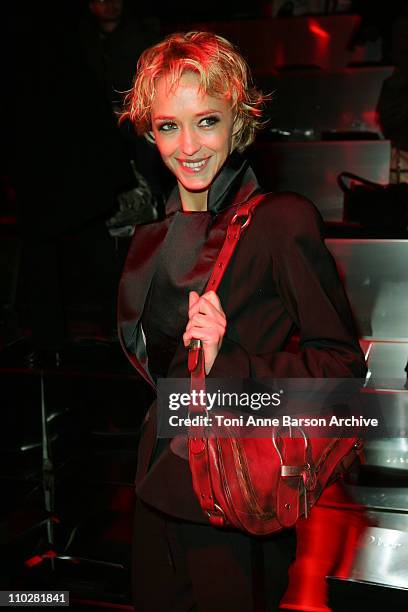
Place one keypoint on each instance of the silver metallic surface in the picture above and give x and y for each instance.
(388, 453)
(382, 557)
(375, 276)
(380, 498)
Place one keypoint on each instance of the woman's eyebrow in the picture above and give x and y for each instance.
(162, 117)
(209, 111)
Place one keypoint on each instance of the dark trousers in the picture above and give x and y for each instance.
(188, 567)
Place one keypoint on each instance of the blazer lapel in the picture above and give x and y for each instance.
(133, 290)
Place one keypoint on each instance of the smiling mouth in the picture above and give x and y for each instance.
(194, 166)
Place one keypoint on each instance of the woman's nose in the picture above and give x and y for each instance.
(189, 142)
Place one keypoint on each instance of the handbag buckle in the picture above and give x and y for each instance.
(194, 353)
(303, 470)
(216, 515)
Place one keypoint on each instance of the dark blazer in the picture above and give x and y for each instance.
(281, 281)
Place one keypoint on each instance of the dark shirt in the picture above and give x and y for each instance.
(166, 311)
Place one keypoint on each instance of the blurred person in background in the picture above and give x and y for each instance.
(69, 166)
(112, 38)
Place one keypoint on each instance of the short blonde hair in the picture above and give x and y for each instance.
(221, 69)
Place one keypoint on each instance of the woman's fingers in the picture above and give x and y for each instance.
(206, 304)
(213, 298)
(206, 327)
(208, 337)
(206, 322)
(203, 320)
(210, 327)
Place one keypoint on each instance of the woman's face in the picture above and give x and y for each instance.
(193, 132)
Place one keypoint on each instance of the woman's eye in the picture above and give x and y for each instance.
(209, 121)
(167, 127)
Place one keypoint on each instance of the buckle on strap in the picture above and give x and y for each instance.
(216, 516)
(244, 216)
(194, 350)
(302, 470)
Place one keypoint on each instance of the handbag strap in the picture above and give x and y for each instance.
(198, 443)
(238, 224)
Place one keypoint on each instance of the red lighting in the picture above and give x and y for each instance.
(327, 543)
(317, 30)
(33, 561)
(370, 117)
(37, 559)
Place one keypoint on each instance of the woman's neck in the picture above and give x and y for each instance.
(193, 201)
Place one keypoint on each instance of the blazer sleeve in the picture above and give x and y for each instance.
(311, 292)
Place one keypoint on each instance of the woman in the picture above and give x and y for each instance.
(192, 97)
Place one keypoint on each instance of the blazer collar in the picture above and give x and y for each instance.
(233, 185)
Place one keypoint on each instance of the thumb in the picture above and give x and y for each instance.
(193, 298)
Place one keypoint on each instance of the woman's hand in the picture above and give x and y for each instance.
(207, 322)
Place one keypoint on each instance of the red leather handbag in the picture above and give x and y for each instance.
(257, 485)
